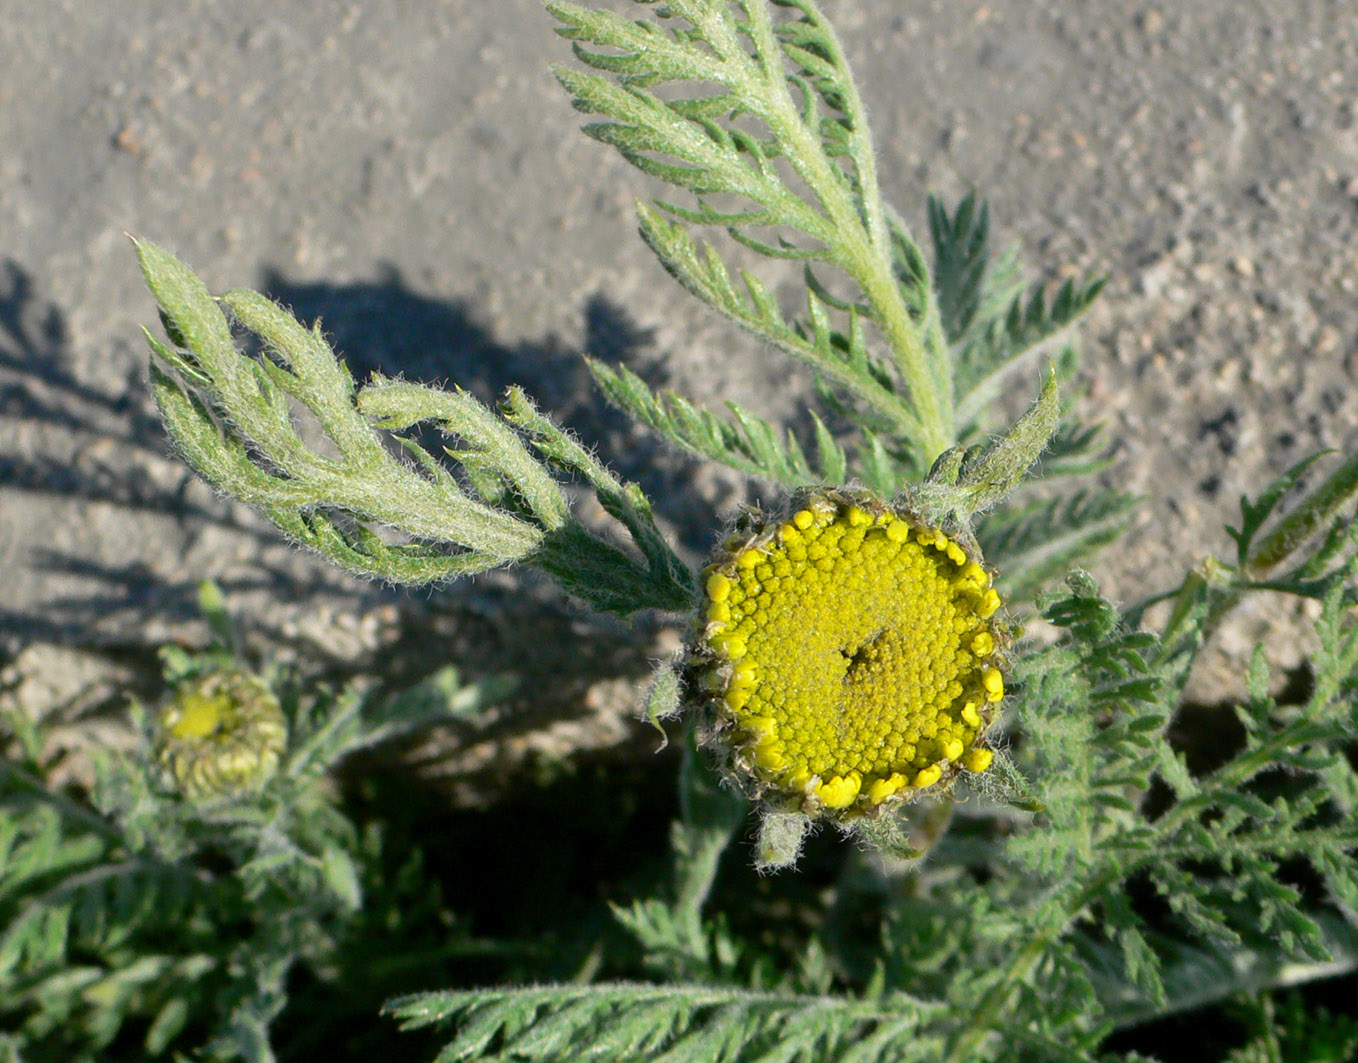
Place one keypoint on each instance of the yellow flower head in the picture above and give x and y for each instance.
(848, 655)
(224, 732)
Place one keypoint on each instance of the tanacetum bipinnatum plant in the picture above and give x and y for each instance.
(1033, 863)
(163, 911)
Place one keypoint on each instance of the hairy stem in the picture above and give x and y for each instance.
(863, 253)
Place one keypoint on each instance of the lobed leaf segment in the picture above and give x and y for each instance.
(353, 500)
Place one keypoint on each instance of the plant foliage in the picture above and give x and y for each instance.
(231, 415)
(1106, 872)
(1144, 885)
(137, 913)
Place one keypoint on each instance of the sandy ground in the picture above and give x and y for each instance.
(411, 173)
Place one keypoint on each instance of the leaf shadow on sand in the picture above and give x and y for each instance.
(114, 452)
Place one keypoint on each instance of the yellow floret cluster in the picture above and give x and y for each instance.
(224, 732)
(852, 657)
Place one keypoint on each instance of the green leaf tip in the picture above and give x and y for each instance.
(1307, 518)
(994, 472)
(663, 698)
(965, 481)
(780, 839)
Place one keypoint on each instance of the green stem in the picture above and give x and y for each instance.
(1229, 776)
(865, 255)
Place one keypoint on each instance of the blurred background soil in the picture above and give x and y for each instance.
(411, 174)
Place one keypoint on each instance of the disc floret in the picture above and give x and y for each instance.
(848, 655)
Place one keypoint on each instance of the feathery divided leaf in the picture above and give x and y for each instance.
(1003, 345)
(362, 507)
(633, 1023)
(748, 89)
(1095, 718)
(585, 565)
(961, 257)
(751, 445)
(1075, 450)
(1195, 975)
(677, 941)
(839, 356)
(1039, 540)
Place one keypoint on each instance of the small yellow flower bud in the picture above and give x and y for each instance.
(729, 645)
(223, 732)
(743, 674)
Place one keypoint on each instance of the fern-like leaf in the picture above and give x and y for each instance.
(1036, 541)
(773, 90)
(632, 1023)
(231, 416)
(1010, 341)
(751, 445)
